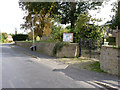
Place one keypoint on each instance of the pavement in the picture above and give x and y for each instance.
(55, 73)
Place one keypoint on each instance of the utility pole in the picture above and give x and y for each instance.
(15, 30)
(33, 47)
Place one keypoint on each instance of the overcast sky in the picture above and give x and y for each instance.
(11, 15)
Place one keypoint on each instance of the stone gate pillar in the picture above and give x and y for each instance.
(118, 28)
(118, 37)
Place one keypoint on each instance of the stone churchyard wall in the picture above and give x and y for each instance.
(70, 50)
(110, 59)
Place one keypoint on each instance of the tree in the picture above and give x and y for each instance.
(3, 37)
(43, 22)
(86, 30)
(119, 7)
(69, 11)
(57, 32)
(119, 14)
(115, 18)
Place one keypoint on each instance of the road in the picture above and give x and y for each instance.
(20, 70)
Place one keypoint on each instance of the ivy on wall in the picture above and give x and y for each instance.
(58, 47)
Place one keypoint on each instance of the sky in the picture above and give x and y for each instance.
(11, 15)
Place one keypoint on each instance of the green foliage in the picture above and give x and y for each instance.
(58, 46)
(66, 12)
(33, 7)
(96, 67)
(19, 37)
(48, 41)
(3, 37)
(115, 18)
(111, 40)
(43, 23)
(86, 30)
(69, 11)
(57, 33)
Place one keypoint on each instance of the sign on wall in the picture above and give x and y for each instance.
(67, 37)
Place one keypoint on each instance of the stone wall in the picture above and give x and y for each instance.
(110, 60)
(24, 44)
(70, 50)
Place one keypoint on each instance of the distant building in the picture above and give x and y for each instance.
(10, 38)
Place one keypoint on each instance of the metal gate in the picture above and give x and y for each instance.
(90, 48)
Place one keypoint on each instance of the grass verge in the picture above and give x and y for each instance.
(83, 63)
(96, 67)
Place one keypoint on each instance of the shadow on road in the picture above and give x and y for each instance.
(87, 76)
(70, 71)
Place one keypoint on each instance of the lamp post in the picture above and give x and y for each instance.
(33, 29)
(33, 47)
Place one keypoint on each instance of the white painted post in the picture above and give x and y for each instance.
(33, 32)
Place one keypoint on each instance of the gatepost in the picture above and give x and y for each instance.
(118, 37)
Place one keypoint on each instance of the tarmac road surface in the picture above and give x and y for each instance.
(20, 70)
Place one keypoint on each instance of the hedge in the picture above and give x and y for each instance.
(19, 37)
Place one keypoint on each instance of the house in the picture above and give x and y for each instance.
(9, 38)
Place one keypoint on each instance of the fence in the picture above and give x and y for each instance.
(90, 47)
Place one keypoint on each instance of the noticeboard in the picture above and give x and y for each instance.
(67, 37)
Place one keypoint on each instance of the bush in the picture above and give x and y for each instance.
(57, 33)
(111, 40)
(19, 37)
(85, 29)
(58, 46)
(96, 67)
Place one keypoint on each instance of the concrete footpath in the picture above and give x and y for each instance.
(102, 79)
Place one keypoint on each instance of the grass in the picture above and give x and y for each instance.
(40, 41)
(25, 41)
(96, 67)
(46, 41)
(83, 63)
